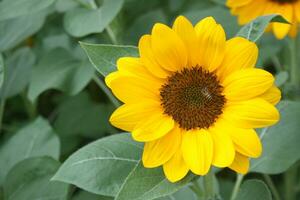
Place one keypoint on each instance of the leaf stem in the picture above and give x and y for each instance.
(108, 93)
(294, 70)
(195, 187)
(111, 35)
(272, 187)
(237, 185)
(290, 178)
(30, 107)
(2, 106)
(208, 182)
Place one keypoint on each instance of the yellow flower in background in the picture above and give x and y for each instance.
(248, 10)
(194, 98)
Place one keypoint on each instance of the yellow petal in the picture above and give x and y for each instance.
(297, 10)
(153, 128)
(159, 151)
(235, 3)
(197, 150)
(134, 66)
(184, 28)
(255, 113)
(224, 151)
(132, 89)
(168, 48)
(281, 29)
(250, 11)
(246, 141)
(110, 77)
(175, 169)
(247, 83)
(148, 59)
(272, 95)
(127, 116)
(239, 54)
(240, 164)
(212, 39)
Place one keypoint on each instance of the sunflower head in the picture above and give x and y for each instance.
(194, 98)
(248, 10)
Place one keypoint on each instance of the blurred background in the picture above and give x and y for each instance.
(52, 94)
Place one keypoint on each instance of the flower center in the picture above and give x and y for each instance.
(193, 98)
(284, 1)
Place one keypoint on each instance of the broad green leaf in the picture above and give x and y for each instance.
(57, 41)
(104, 57)
(2, 71)
(79, 115)
(14, 31)
(254, 189)
(281, 78)
(17, 72)
(148, 184)
(83, 195)
(221, 15)
(58, 69)
(65, 5)
(143, 25)
(256, 28)
(36, 139)
(102, 166)
(280, 142)
(16, 8)
(30, 180)
(79, 22)
(183, 193)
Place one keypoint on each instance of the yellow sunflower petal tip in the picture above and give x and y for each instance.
(178, 94)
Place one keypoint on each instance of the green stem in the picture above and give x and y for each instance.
(237, 186)
(272, 187)
(290, 178)
(2, 106)
(30, 107)
(208, 182)
(111, 35)
(108, 93)
(195, 187)
(294, 70)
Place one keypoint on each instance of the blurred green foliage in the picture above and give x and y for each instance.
(53, 101)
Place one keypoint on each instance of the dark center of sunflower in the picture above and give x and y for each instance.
(193, 98)
(284, 1)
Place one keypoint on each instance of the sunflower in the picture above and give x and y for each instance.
(194, 98)
(247, 10)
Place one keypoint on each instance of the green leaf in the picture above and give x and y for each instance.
(221, 15)
(65, 5)
(254, 189)
(143, 25)
(102, 166)
(104, 57)
(17, 72)
(183, 193)
(2, 71)
(58, 69)
(83, 195)
(30, 179)
(14, 31)
(281, 78)
(16, 8)
(79, 22)
(36, 139)
(256, 28)
(280, 142)
(148, 184)
(79, 115)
